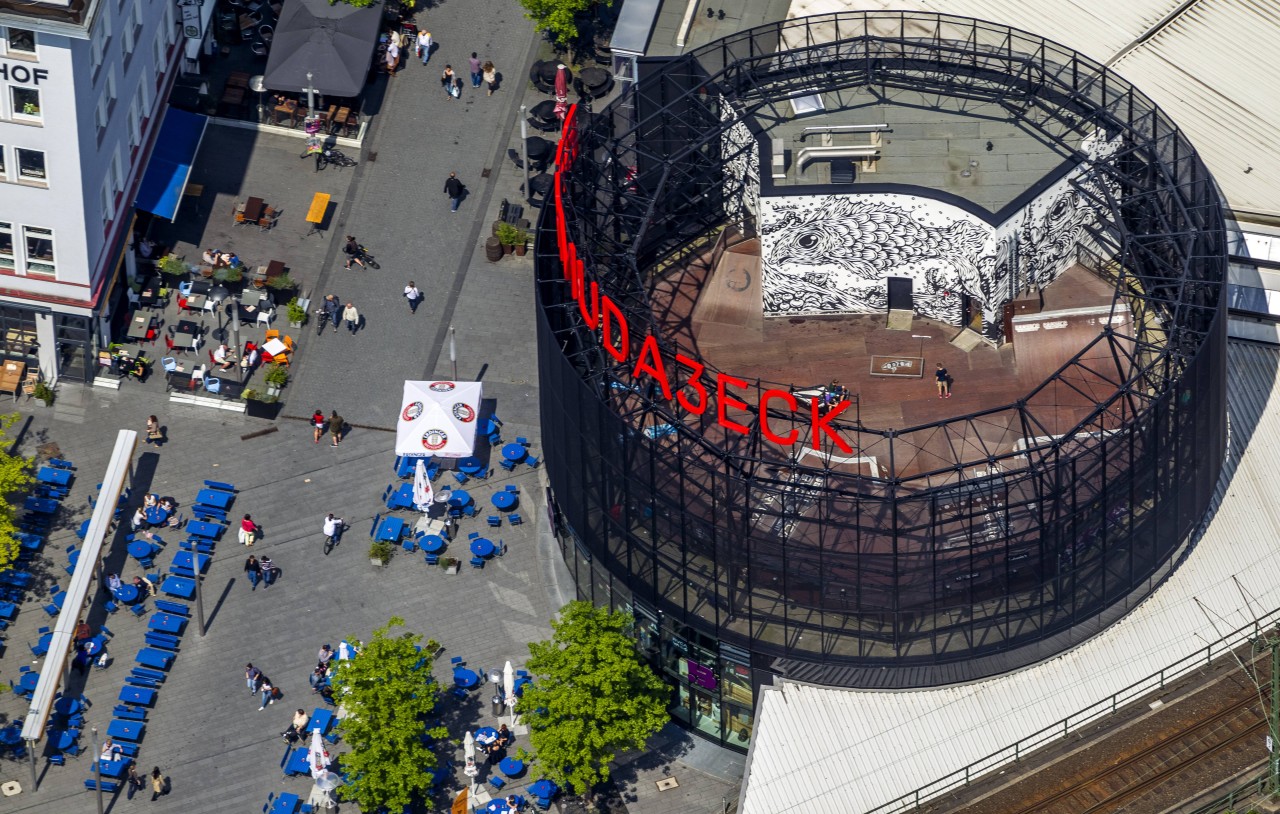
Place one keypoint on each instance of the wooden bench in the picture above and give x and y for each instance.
(316, 212)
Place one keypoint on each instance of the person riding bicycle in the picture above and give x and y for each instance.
(354, 251)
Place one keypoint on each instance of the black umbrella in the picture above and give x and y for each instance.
(333, 43)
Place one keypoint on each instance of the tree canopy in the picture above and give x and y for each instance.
(388, 692)
(15, 482)
(559, 17)
(591, 697)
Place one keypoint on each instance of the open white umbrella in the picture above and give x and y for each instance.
(318, 757)
(422, 493)
(509, 689)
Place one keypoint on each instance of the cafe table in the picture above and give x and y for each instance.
(274, 347)
(287, 803)
(114, 768)
(140, 549)
(215, 497)
(459, 498)
(139, 326)
(126, 730)
(166, 622)
(43, 642)
(432, 543)
(390, 529)
(543, 788)
(11, 735)
(40, 505)
(67, 705)
(29, 681)
(481, 547)
(57, 477)
(471, 465)
(7, 610)
(184, 587)
(253, 210)
(154, 657)
(63, 739)
(298, 762)
(11, 377)
(203, 528)
(486, 735)
(321, 719)
(511, 766)
(185, 561)
(504, 500)
(156, 515)
(402, 498)
(465, 678)
(127, 593)
(142, 696)
(95, 645)
(514, 452)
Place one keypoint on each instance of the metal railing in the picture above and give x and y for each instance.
(1060, 730)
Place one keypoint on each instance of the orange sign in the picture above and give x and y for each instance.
(459, 803)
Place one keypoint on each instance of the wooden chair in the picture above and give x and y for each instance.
(288, 342)
(272, 334)
(281, 359)
(268, 218)
(30, 382)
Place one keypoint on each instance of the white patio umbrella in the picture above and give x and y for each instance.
(317, 756)
(422, 492)
(469, 746)
(509, 689)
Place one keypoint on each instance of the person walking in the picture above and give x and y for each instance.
(268, 694)
(332, 311)
(254, 570)
(490, 75)
(393, 53)
(317, 423)
(269, 572)
(414, 296)
(157, 784)
(944, 382)
(332, 532)
(252, 675)
(476, 74)
(453, 188)
(446, 80)
(135, 782)
(424, 46)
(352, 316)
(248, 531)
(153, 430)
(335, 427)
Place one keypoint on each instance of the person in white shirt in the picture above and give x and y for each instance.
(139, 519)
(414, 296)
(114, 582)
(110, 751)
(220, 357)
(332, 529)
(250, 361)
(424, 46)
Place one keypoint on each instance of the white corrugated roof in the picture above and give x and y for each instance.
(822, 749)
(1211, 68)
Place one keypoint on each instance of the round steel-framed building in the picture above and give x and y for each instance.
(758, 521)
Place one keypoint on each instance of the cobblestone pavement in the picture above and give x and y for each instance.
(204, 731)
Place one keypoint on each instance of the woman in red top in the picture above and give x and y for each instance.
(248, 530)
(317, 421)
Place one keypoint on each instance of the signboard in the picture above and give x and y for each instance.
(897, 367)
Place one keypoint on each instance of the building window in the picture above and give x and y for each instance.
(22, 41)
(117, 170)
(135, 119)
(6, 246)
(170, 23)
(39, 250)
(132, 28)
(26, 103)
(3, 175)
(31, 165)
(108, 200)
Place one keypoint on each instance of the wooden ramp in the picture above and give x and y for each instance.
(730, 308)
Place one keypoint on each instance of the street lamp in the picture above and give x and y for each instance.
(217, 295)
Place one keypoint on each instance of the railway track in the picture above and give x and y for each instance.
(1226, 735)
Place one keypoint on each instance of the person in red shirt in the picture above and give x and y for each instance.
(248, 530)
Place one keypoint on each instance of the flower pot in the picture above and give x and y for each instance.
(492, 249)
(376, 561)
(452, 569)
(522, 249)
(508, 249)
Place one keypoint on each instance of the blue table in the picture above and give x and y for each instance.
(321, 719)
(126, 730)
(166, 622)
(505, 500)
(205, 529)
(156, 515)
(7, 610)
(184, 587)
(61, 739)
(184, 559)
(152, 657)
(58, 477)
(486, 735)
(520, 682)
(73, 558)
(84, 529)
(11, 735)
(18, 579)
(95, 645)
(432, 543)
(127, 593)
(114, 768)
(140, 549)
(511, 766)
(299, 761)
(286, 803)
(42, 644)
(32, 542)
(459, 498)
(543, 788)
(67, 705)
(40, 505)
(402, 498)
(481, 547)
(390, 529)
(59, 599)
(465, 678)
(29, 681)
(142, 696)
(215, 498)
(514, 452)
(470, 465)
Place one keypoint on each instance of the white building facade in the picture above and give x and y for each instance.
(82, 92)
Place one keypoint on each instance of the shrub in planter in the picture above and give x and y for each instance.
(380, 552)
(508, 236)
(257, 405)
(297, 314)
(282, 282)
(277, 376)
(228, 274)
(450, 564)
(173, 266)
(522, 242)
(44, 393)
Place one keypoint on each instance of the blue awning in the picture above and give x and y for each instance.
(170, 166)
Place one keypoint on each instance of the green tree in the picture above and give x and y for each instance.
(388, 692)
(591, 696)
(559, 17)
(15, 481)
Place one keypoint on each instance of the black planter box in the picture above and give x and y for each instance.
(262, 409)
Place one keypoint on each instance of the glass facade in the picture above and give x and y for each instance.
(740, 563)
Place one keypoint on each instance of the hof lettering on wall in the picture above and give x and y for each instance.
(678, 374)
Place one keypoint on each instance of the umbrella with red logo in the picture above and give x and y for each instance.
(562, 91)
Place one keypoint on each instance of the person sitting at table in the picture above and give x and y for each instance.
(145, 586)
(146, 248)
(504, 737)
(512, 803)
(150, 499)
(134, 367)
(139, 520)
(110, 750)
(251, 357)
(220, 357)
(114, 582)
(318, 677)
(82, 631)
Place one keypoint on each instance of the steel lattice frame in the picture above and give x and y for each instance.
(830, 576)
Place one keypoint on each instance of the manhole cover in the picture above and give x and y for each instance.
(667, 783)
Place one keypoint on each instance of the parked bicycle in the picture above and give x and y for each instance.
(338, 158)
(358, 254)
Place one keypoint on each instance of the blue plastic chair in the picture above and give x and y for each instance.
(477, 562)
(212, 384)
(409, 545)
(511, 487)
(515, 519)
(532, 462)
(522, 441)
(460, 477)
(494, 521)
(510, 466)
(433, 559)
(497, 783)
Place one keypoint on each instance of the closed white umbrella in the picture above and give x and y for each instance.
(422, 493)
(509, 689)
(318, 757)
(469, 746)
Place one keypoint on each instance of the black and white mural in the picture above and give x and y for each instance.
(741, 167)
(831, 254)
